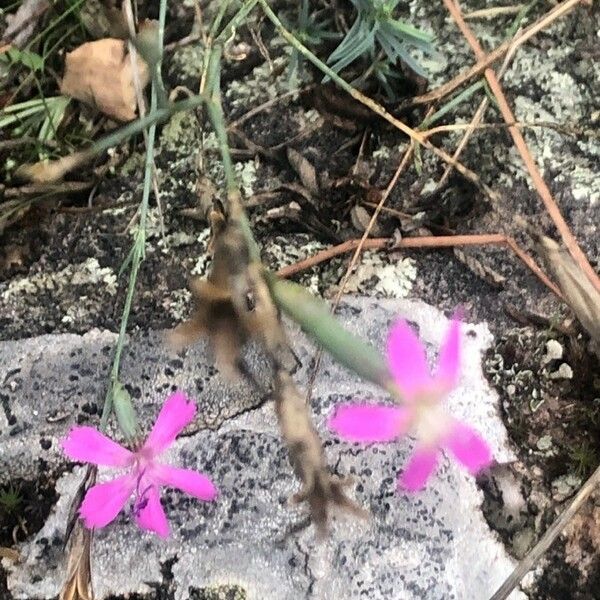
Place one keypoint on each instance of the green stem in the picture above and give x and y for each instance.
(217, 119)
(139, 244)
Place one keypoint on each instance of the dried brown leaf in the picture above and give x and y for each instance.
(361, 218)
(476, 266)
(10, 554)
(50, 171)
(305, 170)
(100, 73)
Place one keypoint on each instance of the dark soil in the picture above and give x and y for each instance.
(555, 427)
(25, 516)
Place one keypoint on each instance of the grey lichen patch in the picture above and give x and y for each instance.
(134, 165)
(204, 260)
(280, 252)
(258, 87)
(387, 275)
(246, 172)
(88, 272)
(181, 134)
(178, 304)
(186, 62)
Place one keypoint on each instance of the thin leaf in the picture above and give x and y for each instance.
(356, 51)
(408, 31)
(352, 37)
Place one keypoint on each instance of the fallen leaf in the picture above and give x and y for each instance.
(10, 554)
(305, 170)
(361, 218)
(100, 73)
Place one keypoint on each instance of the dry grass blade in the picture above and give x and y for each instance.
(492, 13)
(442, 241)
(447, 88)
(547, 539)
(519, 140)
(577, 290)
(78, 583)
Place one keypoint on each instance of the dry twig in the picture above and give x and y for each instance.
(558, 11)
(422, 242)
(540, 185)
(547, 539)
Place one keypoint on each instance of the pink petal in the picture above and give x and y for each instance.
(448, 367)
(104, 501)
(177, 412)
(369, 423)
(419, 468)
(468, 447)
(406, 359)
(87, 444)
(191, 482)
(151, 516)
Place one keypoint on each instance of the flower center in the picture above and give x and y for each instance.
(431, 420)
(141, 493)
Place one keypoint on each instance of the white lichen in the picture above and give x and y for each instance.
(88, 272)
(204, 260)
(382, 274)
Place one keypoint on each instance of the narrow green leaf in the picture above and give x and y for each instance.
(315, 318)
(408, 31)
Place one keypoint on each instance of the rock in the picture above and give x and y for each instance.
(435, 544)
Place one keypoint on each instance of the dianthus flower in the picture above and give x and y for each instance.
(145, 474)
(423, 412)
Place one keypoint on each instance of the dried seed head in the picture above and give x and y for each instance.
(78, 583)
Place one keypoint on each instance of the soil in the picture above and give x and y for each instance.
(65, 277)
(24, 517)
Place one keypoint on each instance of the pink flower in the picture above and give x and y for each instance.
(104, 501)
(423, 412)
